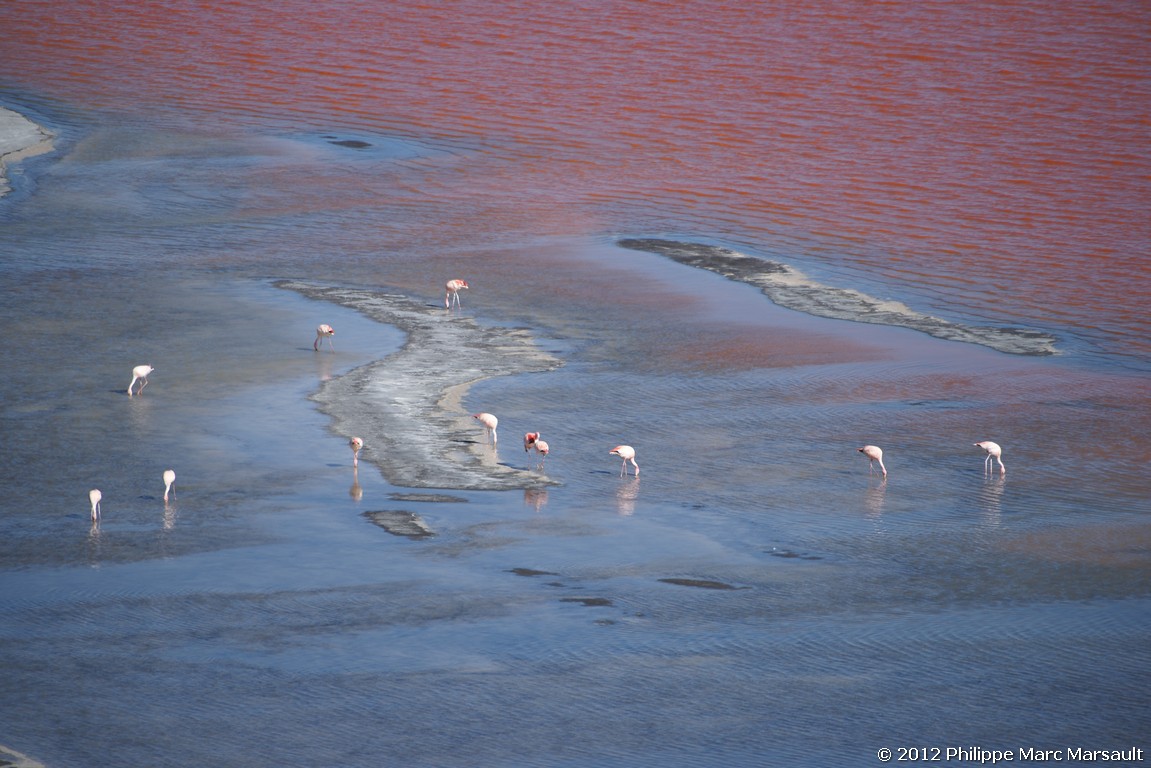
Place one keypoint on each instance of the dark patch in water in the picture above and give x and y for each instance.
(438, 498)
(531, 572)
(399, 523)
(590, 602)
(351, 143)
(789, 554)
(700, 583)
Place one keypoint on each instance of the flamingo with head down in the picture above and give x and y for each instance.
(626, 453)
(490, 422)
(453, 288)
(324, 331)
(873, 453)
(356, 444)
(140, 373)
(994, 453)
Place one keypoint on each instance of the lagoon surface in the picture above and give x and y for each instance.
(745, 240)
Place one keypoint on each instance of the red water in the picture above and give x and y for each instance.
(995, 157)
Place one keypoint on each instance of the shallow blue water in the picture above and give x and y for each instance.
(819, 614)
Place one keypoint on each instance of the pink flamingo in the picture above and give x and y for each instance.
(356, 444)
(94, 496)
(169, 481)
(873, 453)
(530, 439)
(489, 421)
(324, 331)
(626, 453)
(453, 292)
(541, 448)
(994, 453)
(140, 373)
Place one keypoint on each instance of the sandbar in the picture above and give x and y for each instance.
(408, 407)
(20, 138)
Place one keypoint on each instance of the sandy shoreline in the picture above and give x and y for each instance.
(10, 758)
(20, 138)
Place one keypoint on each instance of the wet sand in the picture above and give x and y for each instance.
(788, 287)
(10, 758)
(20, 139)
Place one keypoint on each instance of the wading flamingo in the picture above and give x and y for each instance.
(994, 453)
(627, 453)
(94, 496)
(489, 423)
(453, 292)
(356, 444)
(140, 373)
(542, 449)
(324, 331)
(873, 453)
(530, 440)
(169, 481)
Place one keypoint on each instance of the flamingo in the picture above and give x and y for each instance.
(489, 421)
(994, 453)
(530, 439)
(169, 481)
(356, 443)
(627, 453)
(140, 373)
(324, 331)
(873, 453)
(94, 496)
(453, 292)
(542, 449)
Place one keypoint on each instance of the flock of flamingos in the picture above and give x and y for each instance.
(532, 442)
